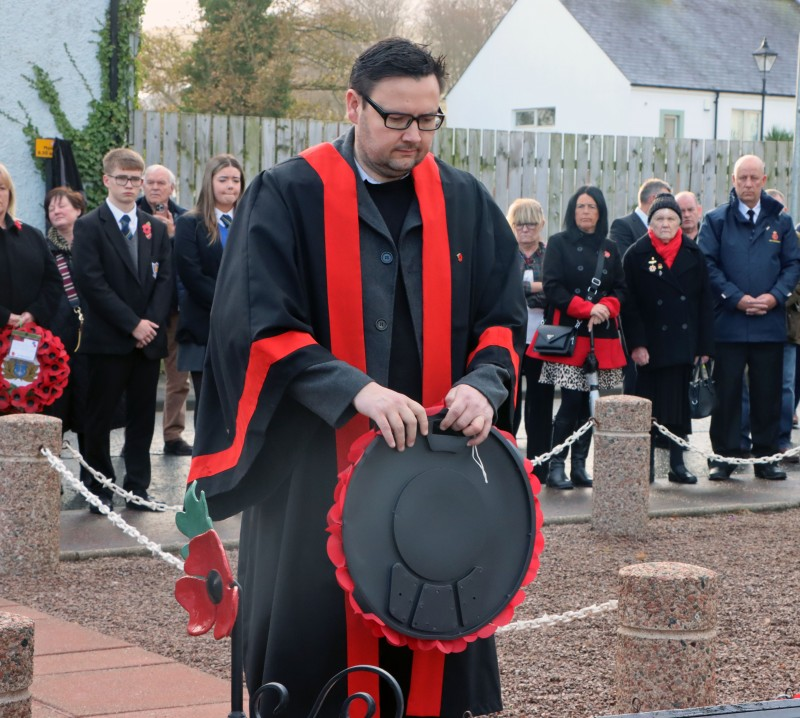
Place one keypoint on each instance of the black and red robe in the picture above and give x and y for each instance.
(301, 322)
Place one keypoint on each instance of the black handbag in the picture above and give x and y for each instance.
(553, 340)
(556, 340)
(702, 392)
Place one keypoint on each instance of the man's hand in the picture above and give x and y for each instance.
(144, 333)
(26, 317)
(166, 217)
(469, 412)
(767, 300)
(640, 356)
(599, 315)
(13, 320)
(756, 306)
(396, 415)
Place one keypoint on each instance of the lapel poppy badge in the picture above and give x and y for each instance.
(460, 257)
(17, 224)
(147, 230)
(606, 254)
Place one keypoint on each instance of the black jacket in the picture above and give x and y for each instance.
(29, 278)
(115, 294)
(196, 265)
(668, 311)
(625, 231)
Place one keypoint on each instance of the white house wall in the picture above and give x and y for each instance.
(540, 56)
(39, 29)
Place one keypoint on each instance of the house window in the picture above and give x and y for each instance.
(745, 124)
(671, 124)
(535, 117)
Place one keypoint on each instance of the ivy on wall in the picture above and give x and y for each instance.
(109, 117)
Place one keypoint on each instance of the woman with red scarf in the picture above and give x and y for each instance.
(667, 320)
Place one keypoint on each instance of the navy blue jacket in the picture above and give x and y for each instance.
(763, 259)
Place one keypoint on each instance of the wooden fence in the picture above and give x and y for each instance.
(547, 166)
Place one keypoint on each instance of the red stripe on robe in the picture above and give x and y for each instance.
(263, 354)
(343, 262)
(502, 338)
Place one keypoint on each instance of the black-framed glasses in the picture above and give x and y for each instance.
(398, 121)
(122, 180)
(530, 226)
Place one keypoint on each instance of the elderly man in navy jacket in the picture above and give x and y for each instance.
(753, 264)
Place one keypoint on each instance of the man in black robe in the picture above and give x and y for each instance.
(363, 281)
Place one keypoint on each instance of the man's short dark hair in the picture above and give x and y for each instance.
(395, 57)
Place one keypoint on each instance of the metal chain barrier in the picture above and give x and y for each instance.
(569, 441)
(732, 460)
(566, 617)
(112, 516)
(111, 486)
(155, 549)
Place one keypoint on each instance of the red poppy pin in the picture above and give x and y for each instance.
(460, 257)
(606, 254)
(17, 224)
(147, 229)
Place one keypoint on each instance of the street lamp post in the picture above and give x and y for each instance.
(765, 59)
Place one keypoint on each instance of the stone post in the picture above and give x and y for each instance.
(621, 465)
(30, 495)
(666, 638)
(16, 662)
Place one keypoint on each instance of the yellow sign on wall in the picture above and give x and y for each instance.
(44, 147)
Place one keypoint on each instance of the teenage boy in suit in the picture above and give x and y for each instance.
(122, 261)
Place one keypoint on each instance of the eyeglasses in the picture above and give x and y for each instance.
(122, 180)
(399, 121)
(527, 226)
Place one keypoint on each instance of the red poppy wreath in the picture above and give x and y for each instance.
(31, 381)
(433, 545)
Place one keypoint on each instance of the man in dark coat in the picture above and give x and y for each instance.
(159, 186)
(362, 281)
(121, 263)
(753, 265)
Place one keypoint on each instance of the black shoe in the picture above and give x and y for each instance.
(770, 472)
(580, 478)
(177, 447)
(681, 475)
(557, 479)
(720, 472)
(157, 506)
(106, 501)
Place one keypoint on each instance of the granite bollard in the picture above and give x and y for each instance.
(621, 465)
(666, 637)
(30, 495)
(16, 665)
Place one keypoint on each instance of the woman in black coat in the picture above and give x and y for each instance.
(200, 238)
(30, 285)
(668, 321)
(570, 263)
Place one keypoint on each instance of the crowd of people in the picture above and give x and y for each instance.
(124, 287)
(364, 282)
(675, 291)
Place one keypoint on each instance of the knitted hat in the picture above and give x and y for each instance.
(664, 201)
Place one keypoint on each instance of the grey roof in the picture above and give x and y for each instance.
(695, 44)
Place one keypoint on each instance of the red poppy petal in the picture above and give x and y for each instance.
(226, 612)
(192, 594)
(207, 554)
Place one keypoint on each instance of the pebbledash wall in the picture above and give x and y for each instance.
(34, 32)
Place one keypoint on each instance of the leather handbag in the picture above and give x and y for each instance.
(702, 392)
(554, 340)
